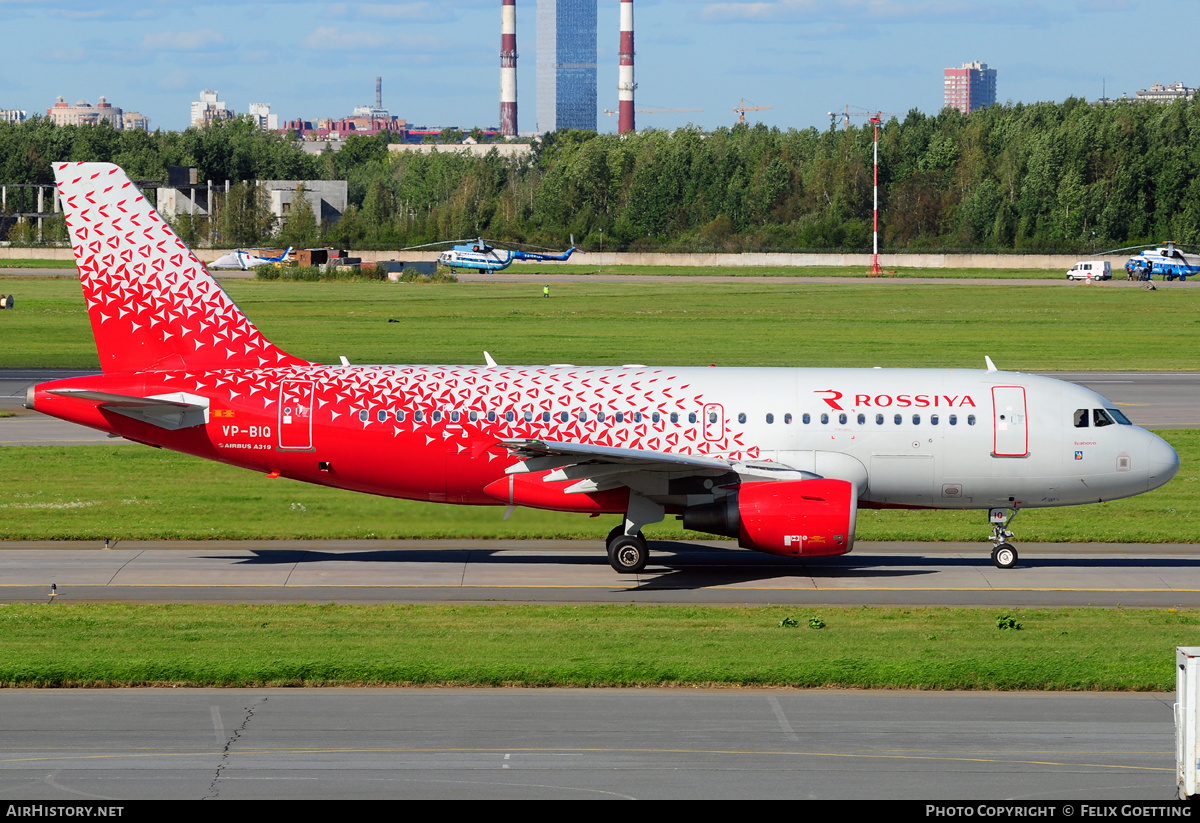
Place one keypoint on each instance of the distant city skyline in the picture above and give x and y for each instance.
(439, 58)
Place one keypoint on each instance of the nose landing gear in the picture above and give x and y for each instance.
(1004, 555)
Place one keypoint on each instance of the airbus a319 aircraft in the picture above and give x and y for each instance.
(781, 459)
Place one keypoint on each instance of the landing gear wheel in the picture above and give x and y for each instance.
(628, 554)
(1004, 556)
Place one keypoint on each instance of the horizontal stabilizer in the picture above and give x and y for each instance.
(167, 411)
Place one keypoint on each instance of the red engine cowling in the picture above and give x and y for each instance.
(809, 518)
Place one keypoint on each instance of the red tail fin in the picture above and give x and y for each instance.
(152, 304)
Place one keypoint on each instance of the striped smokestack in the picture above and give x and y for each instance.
(508, 68)
(625, 84)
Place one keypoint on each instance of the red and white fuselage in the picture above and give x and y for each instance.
(781, 458)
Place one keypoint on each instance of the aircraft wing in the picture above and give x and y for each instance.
(597, 468)
(167, 411)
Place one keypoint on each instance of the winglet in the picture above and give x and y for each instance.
(991, 366)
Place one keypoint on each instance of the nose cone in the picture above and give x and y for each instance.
(1162, 461)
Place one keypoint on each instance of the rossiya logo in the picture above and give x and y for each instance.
(831, 401)
(882, 401)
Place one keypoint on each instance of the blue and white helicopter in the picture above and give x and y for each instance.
(480, 255)
(1167, 261)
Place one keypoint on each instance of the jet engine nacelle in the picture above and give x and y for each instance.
(810, 518)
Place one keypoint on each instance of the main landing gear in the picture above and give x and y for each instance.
(627, 548)
(1004, 555)
(627, 553)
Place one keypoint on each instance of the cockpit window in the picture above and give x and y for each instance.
(1081, 418)
(1119, 417)
(1100, 418)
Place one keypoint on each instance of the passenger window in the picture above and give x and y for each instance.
(473, 416)
(1100, 418)
(528, 417)
(509, 416)
(862, 419)
(712, 417)
(362, 415)
(437, 417)
(637, 417)
(583, 417)
(970, 420)
(787, 418)
(742, 417)
(491, 416)
(400, 417)
(770, 417)
(419, 416)
(620, 417)
(824, 419)
(454, 417)
(806, 418)
(1081, 418)
(675, 417)
(916, 419)
(954, 420)
(897, 420)
(691, 417)
(933, 419)
(381, 416)
(879, 420)
(545, 417)
(655, 417)
(842, 418)
(599, 417)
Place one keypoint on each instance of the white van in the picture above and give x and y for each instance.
(1091, 270)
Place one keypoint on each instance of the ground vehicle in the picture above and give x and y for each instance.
(1091, 270)
(781, 459)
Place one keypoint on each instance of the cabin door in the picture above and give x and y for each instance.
(1010, 421)
(295, 414)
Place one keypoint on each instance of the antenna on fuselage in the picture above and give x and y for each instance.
(487, 358)
(991, 366)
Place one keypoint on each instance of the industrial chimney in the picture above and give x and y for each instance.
(625, 84)
(378, 93)
(508, 68)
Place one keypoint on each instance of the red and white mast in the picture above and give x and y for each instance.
(875, 270)
(625, 84)
(508, 68)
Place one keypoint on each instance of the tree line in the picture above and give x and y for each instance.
(1040, 177)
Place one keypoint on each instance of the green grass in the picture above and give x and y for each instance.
(36, 263)
(689, 322)
(136, 493)
(901, 272)
(205, 645)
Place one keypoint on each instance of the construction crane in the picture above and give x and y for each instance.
(743, 108)
(875, 119)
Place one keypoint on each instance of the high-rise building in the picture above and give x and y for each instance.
(208, 108)
(261, 112)
(970, 88)
(566, 65)
(1158, 93)
(12, 115)
(84, 113)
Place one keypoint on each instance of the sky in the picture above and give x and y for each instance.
(439, 59)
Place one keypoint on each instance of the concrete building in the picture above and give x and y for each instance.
(1158, 93)
(12, 115)
(84, 113)
(135, 121)
(566, 65)
(328, 198)
(969, 88)
(208, 109)
(261, 112)
(475, 149)
(183, 195)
